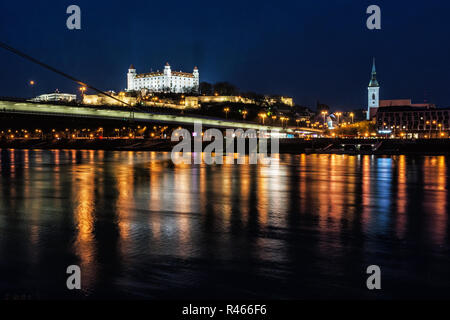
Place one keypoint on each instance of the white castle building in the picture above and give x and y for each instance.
(167, 81)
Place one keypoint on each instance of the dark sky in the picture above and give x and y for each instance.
(311, 50)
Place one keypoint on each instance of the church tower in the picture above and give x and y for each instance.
(373, 92)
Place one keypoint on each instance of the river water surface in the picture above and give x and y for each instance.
(140, 227)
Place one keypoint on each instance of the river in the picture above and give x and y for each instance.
(140, 227)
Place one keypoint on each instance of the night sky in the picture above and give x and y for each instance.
(311, 50)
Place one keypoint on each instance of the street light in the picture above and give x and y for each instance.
(324, 113)
(262, 116)
(244, 114)
(284, 119)
(338, 115)
(82, 89)
(226, 112)
(32, 83)
(428, 123)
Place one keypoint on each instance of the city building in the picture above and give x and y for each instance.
(222, 99)
(272, 100)
(413, 121)
(165, 81)
(101, 99)
(402, 118)
(55, 97)
(374, 102)
(194, 101)
(133, 99)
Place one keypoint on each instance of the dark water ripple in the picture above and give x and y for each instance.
(140, 227)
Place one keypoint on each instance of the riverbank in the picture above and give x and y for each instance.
(294, 146)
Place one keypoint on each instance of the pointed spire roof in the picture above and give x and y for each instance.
(373, 81)
(131, 67)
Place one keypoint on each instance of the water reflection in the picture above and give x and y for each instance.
(140, 226)
(83, 182)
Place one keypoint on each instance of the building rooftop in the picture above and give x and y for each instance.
(409, 108)
(174, 73)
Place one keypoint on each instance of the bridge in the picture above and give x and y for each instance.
(105, 113)
(128, 112)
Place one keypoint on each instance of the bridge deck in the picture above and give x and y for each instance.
(114, 114)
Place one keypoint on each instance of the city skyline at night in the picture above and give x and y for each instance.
(322, 59)
(225, 160)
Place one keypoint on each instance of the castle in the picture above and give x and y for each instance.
(166, 81)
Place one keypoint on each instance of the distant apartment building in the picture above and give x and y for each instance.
(55, 97)
(272, 100)
(163, 81)
(414, 121)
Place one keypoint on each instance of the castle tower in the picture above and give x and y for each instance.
(196, 79)
(167, 76)
(131, 75)
(373, 93)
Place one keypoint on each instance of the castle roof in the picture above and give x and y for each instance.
(182, 74)
(150, 74)
(156, 74)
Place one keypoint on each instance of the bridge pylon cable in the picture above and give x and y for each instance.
(42, 64)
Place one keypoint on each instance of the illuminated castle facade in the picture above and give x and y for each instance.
(166, 81)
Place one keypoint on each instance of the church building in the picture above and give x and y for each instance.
(373, 94)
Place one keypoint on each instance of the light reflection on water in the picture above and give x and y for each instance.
(139, 226)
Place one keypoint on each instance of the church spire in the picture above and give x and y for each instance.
(373, 81)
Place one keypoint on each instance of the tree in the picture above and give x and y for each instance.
(225, 89)
(206, 88)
